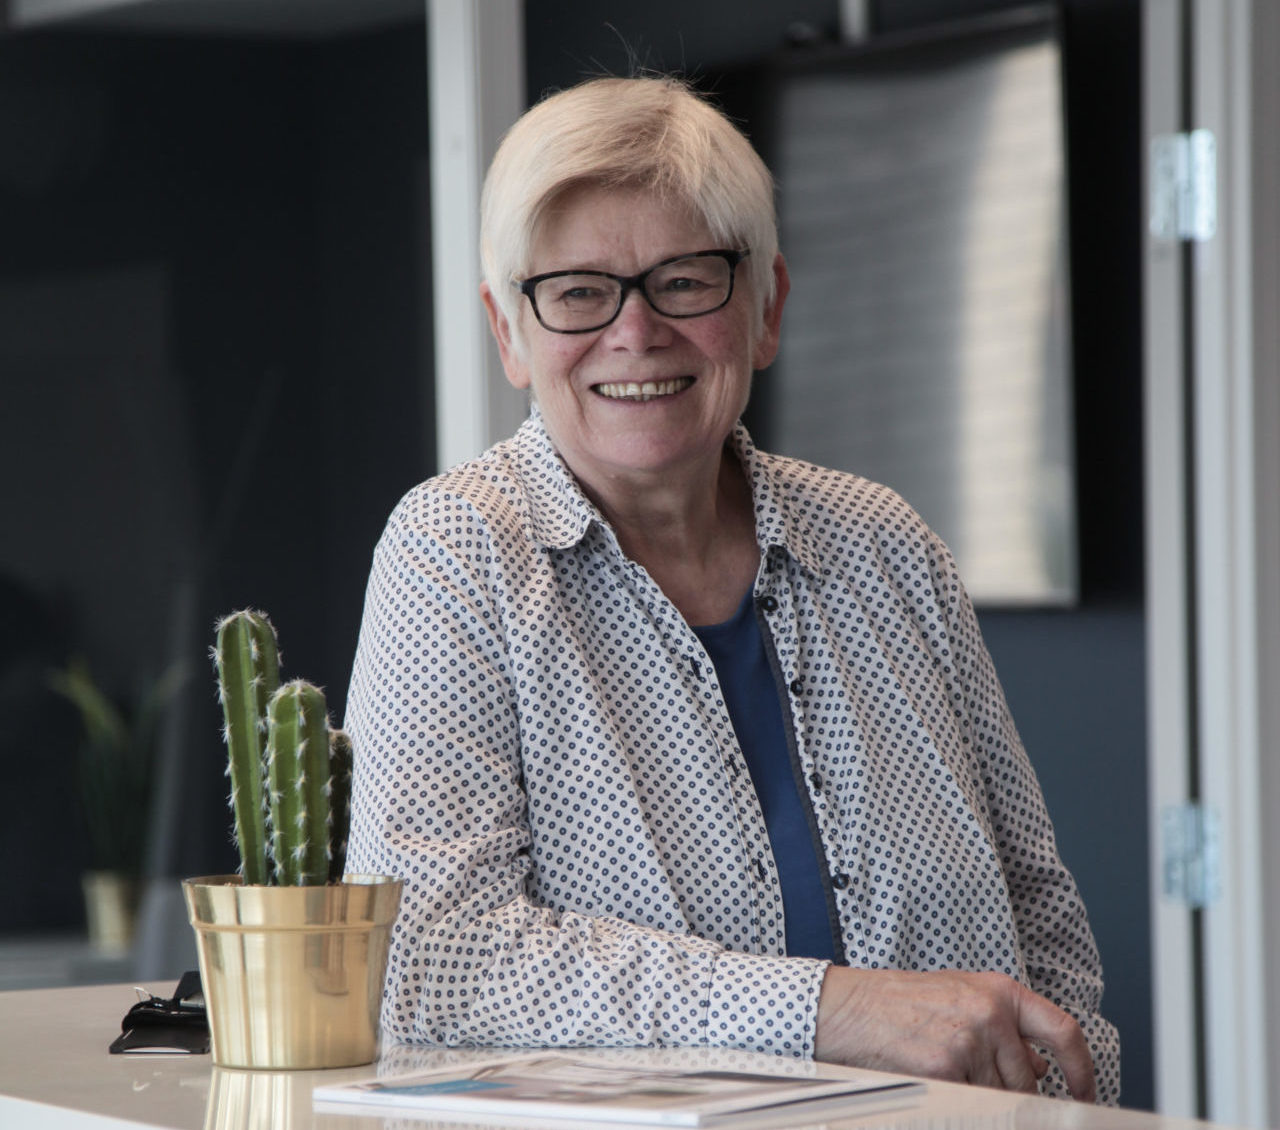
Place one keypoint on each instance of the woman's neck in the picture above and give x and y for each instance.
(693, 533)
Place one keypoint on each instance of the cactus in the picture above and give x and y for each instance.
(248, 660)
(341, 756)
(298, 779)
(290, 772)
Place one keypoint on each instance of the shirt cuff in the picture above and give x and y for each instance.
(767, 1004)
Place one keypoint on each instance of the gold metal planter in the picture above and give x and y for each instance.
(293, 975)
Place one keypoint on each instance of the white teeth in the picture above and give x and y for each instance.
(632, 390)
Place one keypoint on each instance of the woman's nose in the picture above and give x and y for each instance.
(638, 325)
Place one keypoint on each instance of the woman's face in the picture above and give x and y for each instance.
(647, 395)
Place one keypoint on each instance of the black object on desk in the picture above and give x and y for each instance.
(177, 1025)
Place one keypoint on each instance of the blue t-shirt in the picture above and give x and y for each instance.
(737, 649)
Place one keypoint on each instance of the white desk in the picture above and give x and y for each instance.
(56, 1074)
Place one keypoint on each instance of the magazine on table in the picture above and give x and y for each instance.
(559, 1087)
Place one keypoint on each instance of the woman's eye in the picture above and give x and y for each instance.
(576, 293)
(682, 283)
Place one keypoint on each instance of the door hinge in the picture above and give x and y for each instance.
(1190, 854)
(1184, 186)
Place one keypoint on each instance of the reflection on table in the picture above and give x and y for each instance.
(55, 1071)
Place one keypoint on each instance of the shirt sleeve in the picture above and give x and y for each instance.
(1060, 953)
(439, 801)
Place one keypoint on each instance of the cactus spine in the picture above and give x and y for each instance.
(290, 772)
(248, 660)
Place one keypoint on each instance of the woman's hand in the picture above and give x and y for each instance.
(968, 1027)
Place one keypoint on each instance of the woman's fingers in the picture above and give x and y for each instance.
(1019, 1066)
(1038, 1063)
(1046, 1024)
(973, 1027)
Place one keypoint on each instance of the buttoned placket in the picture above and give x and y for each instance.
(775, 611)
(752, 831)
(690, 660)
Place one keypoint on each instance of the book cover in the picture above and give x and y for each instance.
(560, 1087)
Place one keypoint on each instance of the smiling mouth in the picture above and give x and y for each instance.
(648, 390)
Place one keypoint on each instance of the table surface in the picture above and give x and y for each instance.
(56, 1074)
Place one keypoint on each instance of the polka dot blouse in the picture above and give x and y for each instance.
(544, 755)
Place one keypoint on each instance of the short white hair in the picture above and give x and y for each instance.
(654, 134)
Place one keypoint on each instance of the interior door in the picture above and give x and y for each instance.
(1212, 436)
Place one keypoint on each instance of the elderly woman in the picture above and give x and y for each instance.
(675, 742)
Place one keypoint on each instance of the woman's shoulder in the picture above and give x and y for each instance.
(852, 526)
(484, 491)
(841, 496)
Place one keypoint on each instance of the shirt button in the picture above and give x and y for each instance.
(769, 603)
(797, 685)
(839, 880)
(815, 779)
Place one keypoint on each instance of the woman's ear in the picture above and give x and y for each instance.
(766, 347)
(513, 363)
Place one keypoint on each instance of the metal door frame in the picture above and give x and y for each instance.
(1213, 523)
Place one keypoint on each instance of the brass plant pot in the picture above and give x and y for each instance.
(293, 975)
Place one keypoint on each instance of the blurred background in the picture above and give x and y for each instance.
(216, 364)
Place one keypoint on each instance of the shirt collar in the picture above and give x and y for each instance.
(781, 520)
(560, 514)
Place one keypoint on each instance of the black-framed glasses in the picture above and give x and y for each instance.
(685, 286)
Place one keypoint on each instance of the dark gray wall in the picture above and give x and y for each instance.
(214, 350)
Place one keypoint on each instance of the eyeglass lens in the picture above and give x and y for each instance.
(680, 289)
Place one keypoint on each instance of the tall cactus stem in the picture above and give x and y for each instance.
(248, 662)
(340, 763)
(298, 773)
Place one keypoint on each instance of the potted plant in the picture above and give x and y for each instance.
(114, 770)
(292, 952)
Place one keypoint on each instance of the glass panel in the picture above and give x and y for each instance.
(922, 204)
